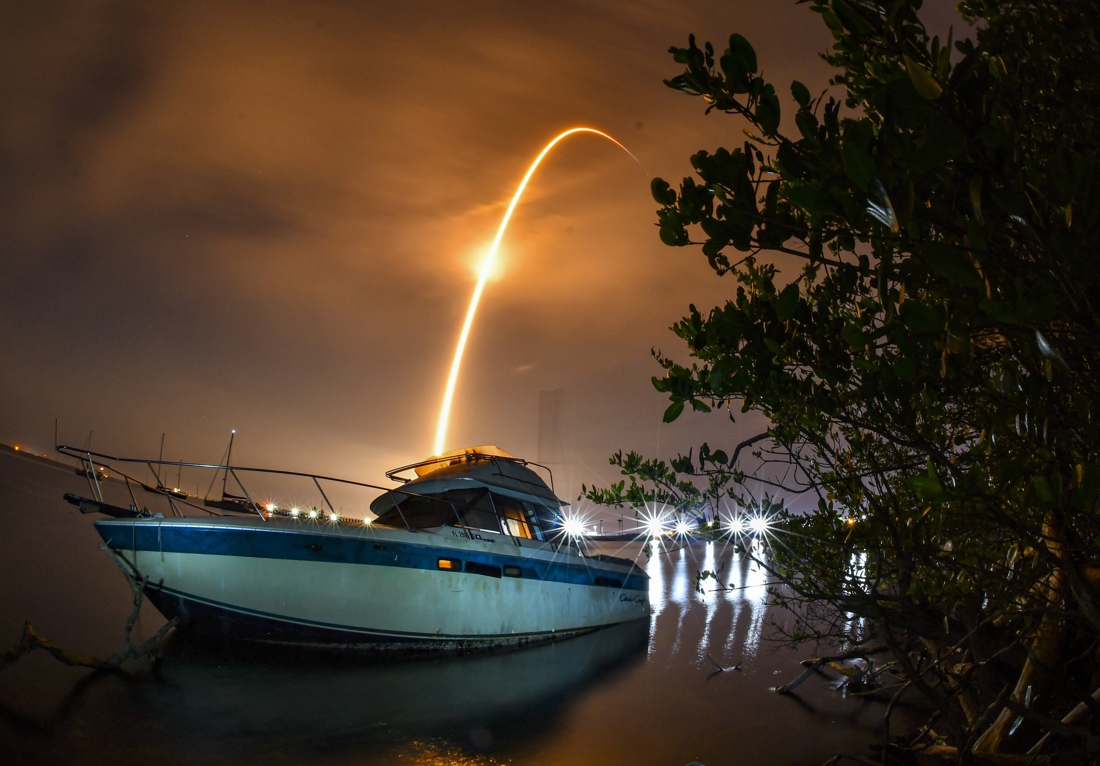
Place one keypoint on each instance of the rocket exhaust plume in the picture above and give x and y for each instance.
(456, 364)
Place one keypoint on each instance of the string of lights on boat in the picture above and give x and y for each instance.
(656, 524)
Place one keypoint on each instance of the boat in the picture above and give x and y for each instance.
(468, 550)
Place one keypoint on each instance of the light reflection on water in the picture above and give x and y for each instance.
(641, 693)
(707, 595)
(741, 585)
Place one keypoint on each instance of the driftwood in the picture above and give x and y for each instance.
(813, 665)
(31, 640)
(722, 669)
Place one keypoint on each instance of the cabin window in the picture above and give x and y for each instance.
(609, 582)
(542, 520)
(488, 570)
(514, 515)
(521, 518)
(450, 565)
(511, 571)
(460, 507)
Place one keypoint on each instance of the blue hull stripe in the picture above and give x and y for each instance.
(245, 542)
(213, 616)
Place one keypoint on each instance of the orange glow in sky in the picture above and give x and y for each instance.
(486, 268)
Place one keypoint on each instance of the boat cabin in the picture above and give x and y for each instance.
(481, 489)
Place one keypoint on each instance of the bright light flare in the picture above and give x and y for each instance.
(759, 524)
(682, 528)
(313, 513)
(486, 269)
(736, 525)
(294, 512)
(573, 526)
(655, 525)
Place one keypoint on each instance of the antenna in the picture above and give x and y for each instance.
(228, 457)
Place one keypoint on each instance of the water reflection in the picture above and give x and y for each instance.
(755, 595)
(708, 595)
(240, 699)
(678, 594)
(733, 606)
(657, 596)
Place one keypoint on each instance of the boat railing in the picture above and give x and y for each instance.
(91, 461)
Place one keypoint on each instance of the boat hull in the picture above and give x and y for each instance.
(331, 584)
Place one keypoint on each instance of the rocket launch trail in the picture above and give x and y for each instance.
(486, 268)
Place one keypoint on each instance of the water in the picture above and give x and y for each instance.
(641, 693)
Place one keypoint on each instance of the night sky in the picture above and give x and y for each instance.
(269, 216)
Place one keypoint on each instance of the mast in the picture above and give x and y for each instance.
(228, 458)
(159, 460)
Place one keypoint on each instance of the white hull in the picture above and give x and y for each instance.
(331, 583)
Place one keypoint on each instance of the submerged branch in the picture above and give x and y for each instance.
(814, 664)
(31, 640)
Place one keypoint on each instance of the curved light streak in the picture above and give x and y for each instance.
(456, 364)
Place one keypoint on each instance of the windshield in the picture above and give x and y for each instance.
(475, 508)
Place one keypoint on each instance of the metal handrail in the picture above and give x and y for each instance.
(86, 456)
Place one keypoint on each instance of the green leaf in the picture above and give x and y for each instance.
(662, 192)
(858, 164)
(767, 112)
(1090, 487)
(921, 318)
(851, 19)
(952, 263)
(811, 199)
(923, 81)
(743, 53)
(998, 311)
(787, 303)
(853, 335)
(927, 486)
(945, 142)
(801, 94)
(674, 411)
(670, 237)
(904, 369)
(1043, 491)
